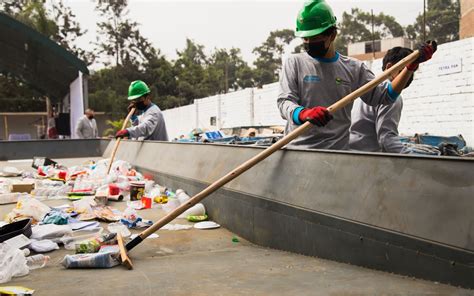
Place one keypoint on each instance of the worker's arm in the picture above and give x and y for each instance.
(146, 127)
(289, 102)
(426, 51)
(387, 118)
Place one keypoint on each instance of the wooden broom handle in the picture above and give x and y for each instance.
(117, 142)
(270, 150)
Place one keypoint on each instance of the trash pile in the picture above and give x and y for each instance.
(32, 228)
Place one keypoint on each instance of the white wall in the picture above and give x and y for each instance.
(440, 101)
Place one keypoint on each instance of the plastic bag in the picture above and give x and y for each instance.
(28, 207)
(50, 231)
(12, 263)
(43, 246)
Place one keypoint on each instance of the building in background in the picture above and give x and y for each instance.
(369, 50)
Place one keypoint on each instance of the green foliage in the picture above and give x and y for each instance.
(114, 127)
(356, 26)
(268, 62)
(442, 22)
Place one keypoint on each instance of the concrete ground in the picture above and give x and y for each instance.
(208, 262)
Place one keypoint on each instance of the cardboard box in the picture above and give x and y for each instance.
(22, 187)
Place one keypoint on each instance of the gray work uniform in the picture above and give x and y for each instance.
(375, 129)
(86, 128)
(308, 82)
(149, 126)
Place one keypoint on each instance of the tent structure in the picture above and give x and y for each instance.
(44, 65)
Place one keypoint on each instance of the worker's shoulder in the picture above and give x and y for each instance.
(350, 61)
(295, 58)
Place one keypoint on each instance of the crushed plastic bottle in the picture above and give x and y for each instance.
(37, 261)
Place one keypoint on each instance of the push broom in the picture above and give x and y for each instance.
(261, 156)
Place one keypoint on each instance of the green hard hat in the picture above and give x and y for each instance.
(137, 89)
(315, 17)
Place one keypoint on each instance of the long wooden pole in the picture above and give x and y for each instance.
(270, 150)
(117, 142)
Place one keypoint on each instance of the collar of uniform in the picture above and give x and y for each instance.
(328, 60)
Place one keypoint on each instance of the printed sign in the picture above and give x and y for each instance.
(450, 66)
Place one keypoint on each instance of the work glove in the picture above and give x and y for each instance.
(122, 134)
(426, 52)
(319, 116)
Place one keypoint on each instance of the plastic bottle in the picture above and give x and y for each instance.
(37, 261)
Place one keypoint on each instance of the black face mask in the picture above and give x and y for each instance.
(90, 116)
(141, 105)
(316, 49)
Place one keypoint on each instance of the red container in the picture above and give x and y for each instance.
(114, 189)
(62, 175)
(146, 202)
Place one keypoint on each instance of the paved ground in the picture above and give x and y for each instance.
(207, 262)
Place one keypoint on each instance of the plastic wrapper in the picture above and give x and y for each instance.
(72, 239)
(43, 246)
(50, 231)
(93, 245)
(96, 260)
(28, 207)
(12, 263)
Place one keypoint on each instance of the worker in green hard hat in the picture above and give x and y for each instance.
(320, 76)
(148, 122)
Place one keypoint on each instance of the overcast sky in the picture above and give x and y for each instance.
(225, 24)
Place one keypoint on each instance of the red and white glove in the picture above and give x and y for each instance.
(122, 134)
(426, 52)
(319, 116)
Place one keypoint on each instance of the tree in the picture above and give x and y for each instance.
(122, 40)
(356, 26)
(442, 22)
(269, 54)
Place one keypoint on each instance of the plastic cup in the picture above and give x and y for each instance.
(114, 189)
(146, 202)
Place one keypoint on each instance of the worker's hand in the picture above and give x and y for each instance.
(319, 116)
(426, 52)
(122, 134)
(131, 106)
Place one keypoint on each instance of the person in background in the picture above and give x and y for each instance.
(375, 129)
(87, 126)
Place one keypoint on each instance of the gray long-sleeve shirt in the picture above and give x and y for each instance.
(86, 128)
(149, 126)
(375, 129)
(308, 82)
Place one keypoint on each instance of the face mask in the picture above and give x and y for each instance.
(90, 116)
(141, 105)
(316, 49)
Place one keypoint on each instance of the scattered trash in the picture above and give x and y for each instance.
(119, 228)
(18, 242)
(37, 261)
(12, 263)
(176, 227)
(43, 246)
(153, 235)
(196, 210)
(16, 228)
(16, 290)
(28, 207)
(206, 225)
(56, 217)
(105, 259)
(200, 218)
(50, 231)
(235, 239)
